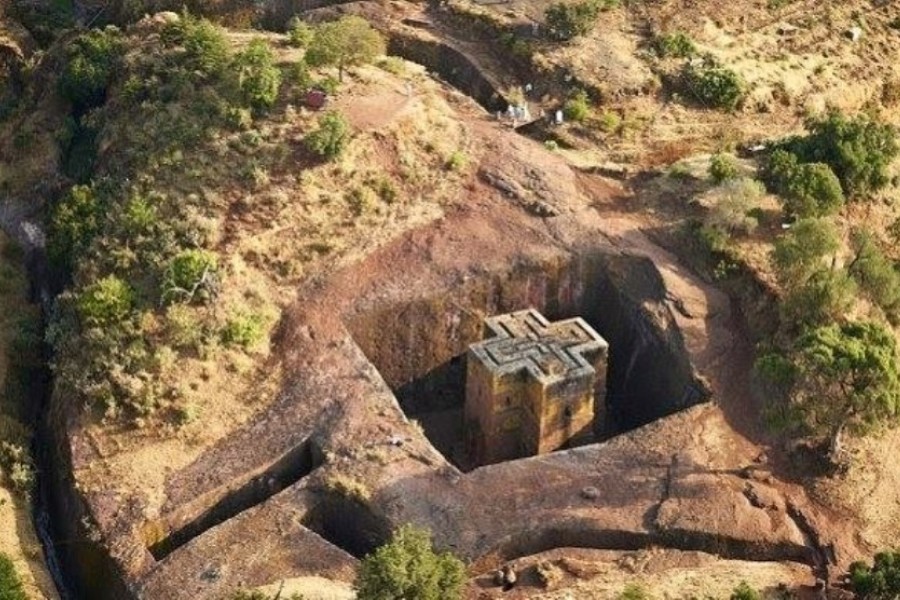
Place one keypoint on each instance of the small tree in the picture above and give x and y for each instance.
(881, 581)
(801, 251)
(744, 592)
(566, 21)
(258, 77)
(300, 33)
(349, 41)
(329, 140)
(205, 47)
(11, 587)
(408, 567)
(846, 378)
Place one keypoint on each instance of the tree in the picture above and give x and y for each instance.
(300, 33)
(875, 272)
(566, 21)
(800, 252)
(881, 581)
(859, 150)
(11, 587)
(407, 568)
(258, 77)
(205, 47)
(812, 190)
(329, 140)
(349, 41)
(824, 297)
(846, 378)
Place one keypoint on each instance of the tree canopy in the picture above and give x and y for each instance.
(858, 149)
(347, 42)
(845, 376)
(407, 568)
(800, 252)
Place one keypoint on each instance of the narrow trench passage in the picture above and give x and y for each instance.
(289, 469)
(419, 347)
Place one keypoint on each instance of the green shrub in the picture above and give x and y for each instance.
(408, 567)
(723, 167)
(565, 21)
(858, 150)
(713, 85)
(300, 33)
(73, 222)
(674, 45)
(457, 161)
(812, 190)
(244, 330)
(577, 108)
(258, 77)
(331, 137)
(204, 45)
(90, 64)
(744, 592)
(106, 302)
(634, 591)
(191, 276)
(44, 20)
(11, 587)
(881, 581)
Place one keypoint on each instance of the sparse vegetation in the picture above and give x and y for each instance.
(744, 592)
(733, 204)
(567, 20)
(408, 567)
(634, 591)
(674, 45)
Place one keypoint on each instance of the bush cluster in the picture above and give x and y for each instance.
(713, 85)
(258, 77)
(808, 189)
(674, 45)
(858, 149)
(577, 108)
(90, 63)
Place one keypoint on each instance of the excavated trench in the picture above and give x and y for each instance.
(419, 347)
